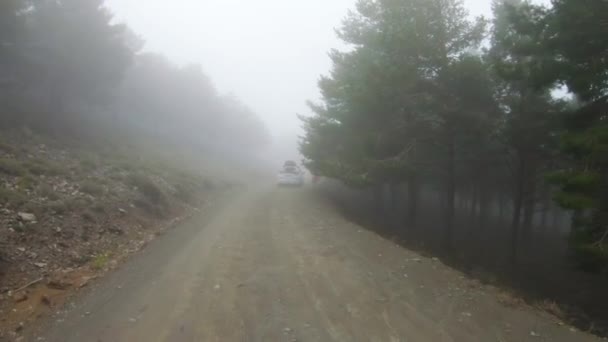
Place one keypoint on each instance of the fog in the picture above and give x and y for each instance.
(482, 142)
(269, 53)
(217, 74)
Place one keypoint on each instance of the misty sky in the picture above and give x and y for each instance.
(269, 53)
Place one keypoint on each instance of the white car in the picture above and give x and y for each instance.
(290, 175)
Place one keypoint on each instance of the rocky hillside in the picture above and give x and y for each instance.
(67, 210)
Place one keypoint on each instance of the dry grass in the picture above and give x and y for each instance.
(510, 299)
(552, 308)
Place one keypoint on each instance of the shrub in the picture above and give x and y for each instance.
(123, 165)
(116, 174)
(589, 253)
(148, 188)
(33, 207)
(92, 188)
(26, 182)
(185, 193)
(80, 260)
(99, 208)
(7, 148)
(58, 207)
(77, 204)
(34, 167)
(11, 167)
(152, 208)
(47, 191)
(88, 216)
(44, 167)
(188, 185)
(88, 164)
(100, 261)
(186, 188)
(12, 198)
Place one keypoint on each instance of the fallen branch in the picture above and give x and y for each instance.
(28, 285)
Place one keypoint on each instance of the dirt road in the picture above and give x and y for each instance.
(282, 265)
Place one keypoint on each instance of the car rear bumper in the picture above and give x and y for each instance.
(290, 181)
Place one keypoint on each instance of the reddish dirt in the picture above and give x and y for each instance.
(50, 292)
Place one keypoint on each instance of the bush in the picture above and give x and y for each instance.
(58, 207)
(33, 207)
(186, 189)
(100, 261)
(7, 148)
(92, 188)
(99, 208)
(187, 185)
(44, 167)
(88, 164)
(77, 204)
(12, 167)
(152, 208)
(148, 188)
(116, 174)
(26, 182)
(124, 165)
(184, 193)
(47, 191)
(88, 216)
(61, 207)
(12, 198)
(591, 258)
(35, 167)
(589, 255)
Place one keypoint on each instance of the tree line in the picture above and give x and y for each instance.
(66, 65)
(508, 116)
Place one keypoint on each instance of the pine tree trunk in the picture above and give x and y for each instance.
(392, 211)
(378, 203)
(518, 198)
(450, 193)
(544, 215)
(530, 197)
(412, 201)
(528, 217)
(474, 201)
(483, 207)
(501, 207)
(557, 215)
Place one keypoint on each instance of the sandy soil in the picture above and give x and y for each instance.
(283, 265)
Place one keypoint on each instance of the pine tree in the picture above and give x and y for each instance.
(579, 36)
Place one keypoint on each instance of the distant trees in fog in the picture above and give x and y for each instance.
(65, 62)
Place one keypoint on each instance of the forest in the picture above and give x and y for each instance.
(501, 123)
(67, 68)
(460, 170)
